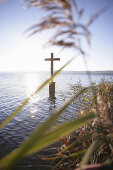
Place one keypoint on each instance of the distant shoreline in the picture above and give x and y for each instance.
(65, 72)
(90, 72)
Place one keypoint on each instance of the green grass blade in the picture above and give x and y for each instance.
(93, 147)
(36, 136)
(7, 120)
(58, 164)
(60, 131)
(11, 160)
(77, 154)
(80, 140)
(73, 155)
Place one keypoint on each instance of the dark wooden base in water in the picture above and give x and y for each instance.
(52, 89)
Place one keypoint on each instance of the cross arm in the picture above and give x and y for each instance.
(56, 59)
(49, 59)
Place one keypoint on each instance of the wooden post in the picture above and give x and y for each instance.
(52, 90)
(51, 64)
(52, 84)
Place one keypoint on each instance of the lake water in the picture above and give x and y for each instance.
(15, 87)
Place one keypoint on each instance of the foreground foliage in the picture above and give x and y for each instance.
(94, 138)
(92, 132)
(63, 19)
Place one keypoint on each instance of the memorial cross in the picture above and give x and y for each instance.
(52, 59)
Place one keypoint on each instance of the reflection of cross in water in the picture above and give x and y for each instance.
(52, 84)
(52, 59)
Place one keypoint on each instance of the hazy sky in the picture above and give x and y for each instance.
(19, 53)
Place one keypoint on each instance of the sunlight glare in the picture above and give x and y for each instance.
(32, 82)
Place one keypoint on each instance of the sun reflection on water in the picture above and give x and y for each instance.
(32, 82)
(33, 111)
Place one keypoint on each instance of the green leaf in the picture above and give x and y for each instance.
(93, 147)
(34, 144)
(73, 155)
(60, 131)
(77, 154)
(79, 140)
(43, 128)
